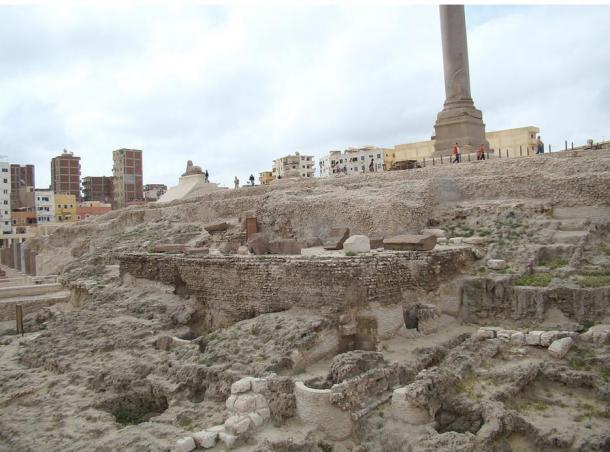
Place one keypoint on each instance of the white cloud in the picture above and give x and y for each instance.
(232, 87)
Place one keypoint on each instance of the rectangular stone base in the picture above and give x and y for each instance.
(462, 125)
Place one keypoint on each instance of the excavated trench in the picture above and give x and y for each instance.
(135, 407)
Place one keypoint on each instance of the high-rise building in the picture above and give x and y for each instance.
(65, 174)
(98, 189)
(22, 176)
(5, 198)
(127, 174)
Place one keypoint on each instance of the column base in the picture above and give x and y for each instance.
(462, 125)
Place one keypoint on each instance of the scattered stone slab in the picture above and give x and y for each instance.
(258, 244)
(410, 242)
(497, 264)
(336, 238)
(599, 334)
(518, 338)
(456, 240)
(482, 335)
(376, 242)
(284, 246)
(438, 233)
(205, 439)
(173, 248)
(243, 385)
(216, 227)
(357, 244)
(238, 425)
(186, 444)
(533, 337)
(227, 439)
(548, 337)
(196, 251)
(560, 347)
(476, 241)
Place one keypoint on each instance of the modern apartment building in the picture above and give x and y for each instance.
(65, 208)
(127, 174)
(65, 174)
(295, 165)
(367, 159)
(22, 176)
(98, 189)
(6, 225)
(45, 206)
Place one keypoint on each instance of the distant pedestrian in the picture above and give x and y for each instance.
(252, 179)
(539, 146)
(207, 176)
(236, 182)
(371, 166)
(456, 153)
(481, 152)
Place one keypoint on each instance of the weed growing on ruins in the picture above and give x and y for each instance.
(554, 264)
(127, 417)
(587, 324)
(594, 279)
(535, 280)
(350, 253)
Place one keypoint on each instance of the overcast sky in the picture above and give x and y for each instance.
(232, 87)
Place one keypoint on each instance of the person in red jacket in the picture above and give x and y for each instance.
(456, 153)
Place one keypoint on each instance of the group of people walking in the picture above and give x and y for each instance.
(457, 155)
(250, 180)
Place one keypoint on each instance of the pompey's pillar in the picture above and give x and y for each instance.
(459, 121)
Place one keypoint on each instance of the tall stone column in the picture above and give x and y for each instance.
(459, 121)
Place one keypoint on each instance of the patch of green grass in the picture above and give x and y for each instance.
(127, 417)
(535, 280)
(606, 250)
(554, 264)
(587, 324)
(350, 253)
(594, 279)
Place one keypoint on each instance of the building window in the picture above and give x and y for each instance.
(378, 156)
(6, 181)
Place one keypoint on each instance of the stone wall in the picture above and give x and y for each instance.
(486, 300)
(234, 288)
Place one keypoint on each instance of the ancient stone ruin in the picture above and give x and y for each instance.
(436, 309)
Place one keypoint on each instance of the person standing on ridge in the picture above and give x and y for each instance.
(252, 179)
(236, 182)
(539, 146)
(456, 153)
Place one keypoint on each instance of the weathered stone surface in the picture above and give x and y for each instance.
(336, 238)
(205, 439)
(435, 232)
(173, 248)
(238, 425)
(518, 338)
(482, 335)
(186, 444)
(548, 337)
(357, 244)
(476, 241)
(353, 363)
(310, 242)
(216, 227)
(230, 403)
(243, 250)
(227, 439)
(243, 385)
(456, 240)
(256, 419)
(284, 246)
(259, 385)
(376, 242)
(496, 264)
(533, 337)
(260, 402)
(505, 334)
(245, 403)
(264, 413)
(560, 347)
(258, 244)
(196, 251)
(164, 343)
(410, 242)
(410, 317)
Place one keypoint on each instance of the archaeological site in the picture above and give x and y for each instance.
(446, 308)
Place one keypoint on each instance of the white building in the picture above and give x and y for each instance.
(45, 206)
(5, 198)
(367, 159)
(296, 165)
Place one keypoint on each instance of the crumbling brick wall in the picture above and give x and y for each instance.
(234, 288)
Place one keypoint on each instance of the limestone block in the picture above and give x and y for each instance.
(336, 238)
(482, 334)
(245, 403)
(174, 248)
(476, 241)
(357, 244)
(548, 337)
(404, 410)
(238, 425)
(496, 264)
(259, 385)
(230, 403)
(560, 347)
(256, 419)
(243, 385)
(265, 413)
(442, 240)
(216, 227)
(205, 439)
(410, 242)
(243, 250)
(186, 444)
(517, 338)
(505, 334)
(228, 439)
(533, 337)
(258, 244)
(456, 240)
(376, 242)
(284, 246)
(438, 233)
(260, 402)
(216, 428)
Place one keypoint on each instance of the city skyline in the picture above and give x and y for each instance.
(231, 89)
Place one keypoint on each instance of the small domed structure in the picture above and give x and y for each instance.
(192, 169)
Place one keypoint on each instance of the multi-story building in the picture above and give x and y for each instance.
(24, 216)
(21, 176)
(65, 174)
(98, 189)
(45, 206)
(90, 209)
(152, 192)
(367, 159)
(5, 198)
(295, 165)
(266, 177)
(127, 174)
(65, 208)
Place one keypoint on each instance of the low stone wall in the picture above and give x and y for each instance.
(486, 300)
(234, 288)
(7, 307)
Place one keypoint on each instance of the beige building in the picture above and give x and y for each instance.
(367, 159)
(295, 165)
(514, 141)
(266, 177)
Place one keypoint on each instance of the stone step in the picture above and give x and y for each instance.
(571, 237)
